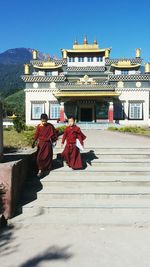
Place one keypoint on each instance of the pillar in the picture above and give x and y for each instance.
(1, 131)
(147, 67)
(107, 52)
(138, 53)
(62, 113)
(111, 112)
(26, 69)
(64, 54)
(34, 54)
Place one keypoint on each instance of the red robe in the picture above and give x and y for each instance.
(45, 134)
(71, 153)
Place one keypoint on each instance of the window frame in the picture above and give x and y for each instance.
(141, 110)
(34, 103)
(50, 111)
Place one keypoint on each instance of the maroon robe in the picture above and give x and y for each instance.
(45, 134)
(71, 153)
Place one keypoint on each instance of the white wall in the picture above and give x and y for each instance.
(129, 95)
(86, 63)
(32, 95)
(130, 72)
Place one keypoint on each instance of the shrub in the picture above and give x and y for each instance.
(61, 129)
(113, 128)
(19, 124)
(29, 128)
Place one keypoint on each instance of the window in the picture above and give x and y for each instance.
(135, 111)
(99, 59)
(80, 59)
(90, 59)
(36, 110)
(54, 111)
(71, 59)
(125, 72)
(49, 73)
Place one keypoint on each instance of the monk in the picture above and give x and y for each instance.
(71, 153)
(46, 136)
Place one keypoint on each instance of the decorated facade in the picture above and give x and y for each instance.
(87, 83)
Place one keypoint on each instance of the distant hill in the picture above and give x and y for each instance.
(11, 68)
(15, 103)
(16, 56)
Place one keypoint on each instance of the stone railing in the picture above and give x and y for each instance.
(13, 173)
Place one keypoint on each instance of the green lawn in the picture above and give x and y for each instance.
(13, 139)
(18, 140)
(131, 129)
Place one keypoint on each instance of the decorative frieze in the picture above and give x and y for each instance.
(136, 77)
(109, 61)
(89, 68)
(75, 86)
(32, 78)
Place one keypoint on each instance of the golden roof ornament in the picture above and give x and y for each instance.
(95, 41)
(85, 40)
(138, 52)
(75, 42)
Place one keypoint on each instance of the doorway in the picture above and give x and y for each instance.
(86, 114)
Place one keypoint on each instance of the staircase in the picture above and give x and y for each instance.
(114, 188)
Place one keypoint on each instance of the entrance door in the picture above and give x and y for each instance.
(86, 114)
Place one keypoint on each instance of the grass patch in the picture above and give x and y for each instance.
(13, 139)
(131, 129)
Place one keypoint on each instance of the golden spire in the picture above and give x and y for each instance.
(85, 40)
(95, 41)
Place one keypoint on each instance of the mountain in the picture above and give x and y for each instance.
(16, 56)
(11, 68)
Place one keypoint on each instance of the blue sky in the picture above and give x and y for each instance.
(49, 25)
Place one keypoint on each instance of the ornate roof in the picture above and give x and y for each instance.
(47, 65)
(134, 77)
(109, 61)
(76, 87)
(32, 78)
(89, 68)
(125, 64)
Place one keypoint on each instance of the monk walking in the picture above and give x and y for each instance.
(46, 136)
(71, 153)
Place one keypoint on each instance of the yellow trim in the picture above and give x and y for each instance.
(85, 50)
(47, 66)
(66, 94)
(125, 65)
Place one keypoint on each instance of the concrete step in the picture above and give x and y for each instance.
(104, 216)
(106, 164)
(106, 168)
(96, 176)
(97, 187)
(112, 150)
(90, 201)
